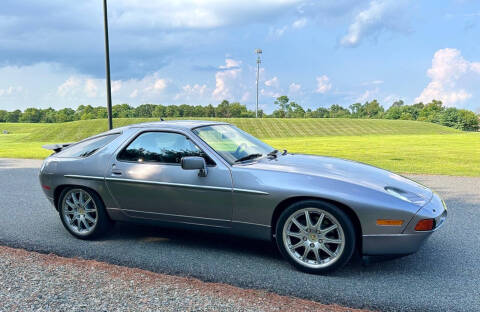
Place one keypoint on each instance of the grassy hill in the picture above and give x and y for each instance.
(262, 128)
(397, 145)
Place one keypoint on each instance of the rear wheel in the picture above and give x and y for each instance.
(315, 236)
(83, 213)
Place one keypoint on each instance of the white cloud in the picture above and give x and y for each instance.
(272, 82)
(116, 85)
(368, 95)
(11, 90)
(191, 92)
(68, 86)
(245, 97)
(451, 78)
(159, 84)
(90, 88)
(323, 84)
(134, 94)
(269, 93)
(380, 15)
(373, 82)
(294, 87)
(300, 23)
(225, 78)
(193, 14)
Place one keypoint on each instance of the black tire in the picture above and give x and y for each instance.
(342, 218)
(103, 224)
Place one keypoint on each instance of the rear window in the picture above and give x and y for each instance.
(88, 147)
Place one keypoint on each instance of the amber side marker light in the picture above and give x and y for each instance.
(425, 225)
(389, 222)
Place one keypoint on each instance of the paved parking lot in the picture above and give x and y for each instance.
(443, 276)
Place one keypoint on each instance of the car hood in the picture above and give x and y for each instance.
(341, 169)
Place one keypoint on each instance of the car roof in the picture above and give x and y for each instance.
(177, 124)
(170, 124)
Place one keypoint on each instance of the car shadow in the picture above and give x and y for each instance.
(192, 238)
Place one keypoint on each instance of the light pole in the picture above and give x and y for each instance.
(107, 66)
(258, 52)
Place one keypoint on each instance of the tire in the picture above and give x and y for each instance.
(77, 212)
(333, 239)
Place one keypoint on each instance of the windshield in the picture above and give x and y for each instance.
(233, 144)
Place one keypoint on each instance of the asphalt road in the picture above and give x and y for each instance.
(443, 276)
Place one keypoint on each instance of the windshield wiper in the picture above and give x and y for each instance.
(273, 153)
(248, 157)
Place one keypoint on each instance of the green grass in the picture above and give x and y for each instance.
(397, 145)
(451, 154)
(262, 128)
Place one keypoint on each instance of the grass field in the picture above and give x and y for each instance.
(397, 145)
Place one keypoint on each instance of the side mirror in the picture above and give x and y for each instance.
(195, 163)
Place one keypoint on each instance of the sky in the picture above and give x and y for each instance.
(317, 52)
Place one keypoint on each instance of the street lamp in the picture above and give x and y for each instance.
(107, 66)
(258, 52)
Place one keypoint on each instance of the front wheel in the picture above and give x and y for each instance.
(315, 236)
(82, 213)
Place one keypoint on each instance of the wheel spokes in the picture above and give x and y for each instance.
(329, 229)
(308, 220)
(300, 226)
(308, 243)
(79, 211)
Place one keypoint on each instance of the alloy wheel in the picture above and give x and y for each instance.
(79, 211)
(313, 237)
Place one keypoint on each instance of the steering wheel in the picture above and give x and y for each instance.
(241, 147)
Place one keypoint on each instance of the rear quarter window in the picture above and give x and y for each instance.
(88, 147)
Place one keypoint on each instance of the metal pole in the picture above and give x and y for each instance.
(258, 70)
(107, 65)
(258, 52)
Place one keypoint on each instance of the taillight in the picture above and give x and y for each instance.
(425, 225)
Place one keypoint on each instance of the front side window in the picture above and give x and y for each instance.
(87, 147)
(161, 147)
(233, 144)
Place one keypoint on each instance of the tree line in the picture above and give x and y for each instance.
(434, 112)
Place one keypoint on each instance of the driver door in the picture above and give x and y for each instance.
(147, 181)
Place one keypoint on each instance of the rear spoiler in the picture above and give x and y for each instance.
(56, 147)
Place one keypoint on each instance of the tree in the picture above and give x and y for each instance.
(223, 110)
(238, 110)
(122, 111)
(172, 111)
(65, 114)
(3, 115)
(295, 111)
(460, 119)
(185, 110)
(283, 105)
(337, 111)
(431, 112)
(358, 110)
(145, 110)
(14, 116)
(31, 115)
(209, 111)
(321, 112)
(159, 111)
(373, 109)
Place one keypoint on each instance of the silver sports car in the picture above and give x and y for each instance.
(211, 175)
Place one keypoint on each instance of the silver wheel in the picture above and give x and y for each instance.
(79, 212)
(313, 237)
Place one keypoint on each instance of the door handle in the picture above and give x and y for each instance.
(116, 172)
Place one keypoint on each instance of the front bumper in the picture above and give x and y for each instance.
(409, 241)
